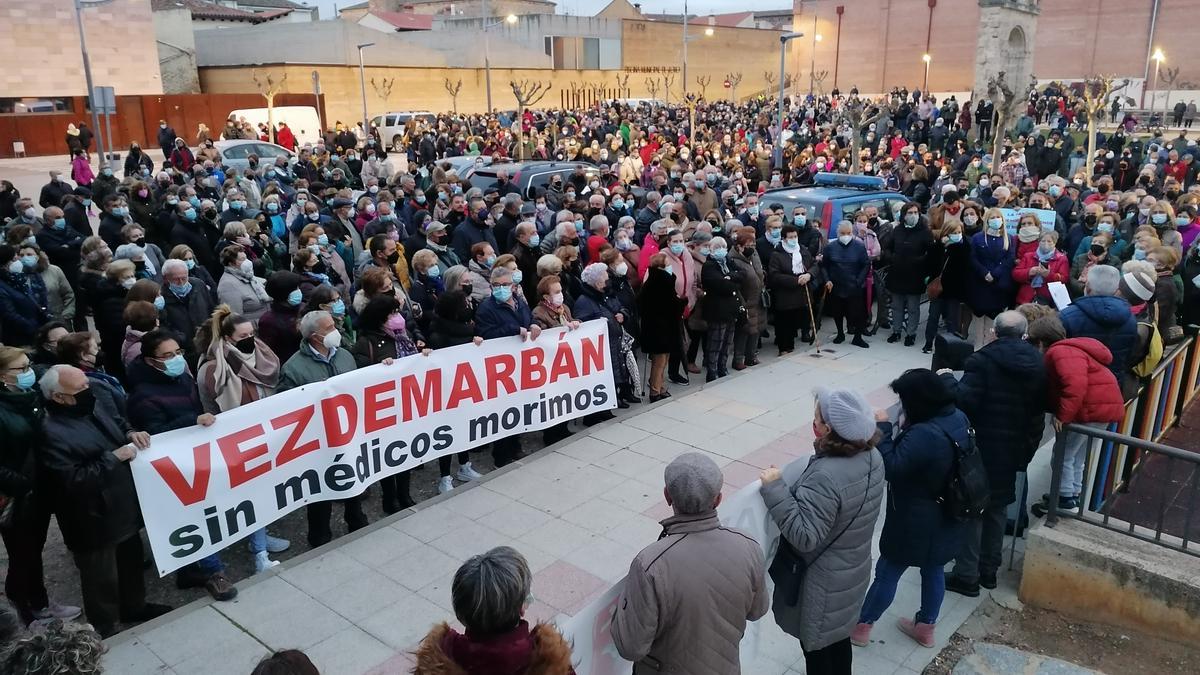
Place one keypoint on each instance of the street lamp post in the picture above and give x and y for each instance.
(812, 64)
(783, 40)
(708, 32)
(487, 54)
(87, 76)
(925, 86)
(1158, 57)
(362, 83)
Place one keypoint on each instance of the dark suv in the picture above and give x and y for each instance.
(530, 177)
(835, 197)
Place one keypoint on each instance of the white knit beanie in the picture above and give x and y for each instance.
(847, 412)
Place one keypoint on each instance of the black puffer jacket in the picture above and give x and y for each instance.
(20, 417)
(721, 284)
(1003, 393)
(906, 254)
(92, 491)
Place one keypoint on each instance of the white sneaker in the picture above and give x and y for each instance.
(277, 544)
(445, 484)
(57, 611)
(262, 563)
(468, 473)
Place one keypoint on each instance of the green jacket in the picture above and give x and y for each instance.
(305, 367)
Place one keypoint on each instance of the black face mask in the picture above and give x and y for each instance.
(210, 214)
(245, 345)
(393, 258)
(85, 403)
(1089, 220)
(950, 197)
(1097, 250)
(466, 289)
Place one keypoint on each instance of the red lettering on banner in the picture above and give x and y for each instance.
(236, 458)
(533, 373)
(593, 352)
(187, 493)
(499, 370)
(291, 450)
(466, 387)
(373, 405)
(564, 363)
(418, 401)
(335, 436)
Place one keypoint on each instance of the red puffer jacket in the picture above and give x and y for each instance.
(1081, 388)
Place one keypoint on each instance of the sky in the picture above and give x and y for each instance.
(590, 7)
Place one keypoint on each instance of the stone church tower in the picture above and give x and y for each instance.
(1007, 29)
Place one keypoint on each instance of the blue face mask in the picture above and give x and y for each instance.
(502, 294)
(774, 236)
(159, 303)
(295, 297)
(434, 272)
(181, 290)
(323, 240)
(535, 239)
(752, 210)
(194, 201)
(272, 207)
(338, 308)
(720, 253)
(190, 214)
(491, 260)
(618, 204)
(420, 199)
(800, 220)
(669, 270)
(29, 261)
(955, 238)
(677, 249)
(26, 379)
(579, 226)
(441, 196)
(1158, 218)
(60, 223)
(87, 202)
(518, 276)
(174, 366)
(120, 211)
(236, 205)
(191, 263)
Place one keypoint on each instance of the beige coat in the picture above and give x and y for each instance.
(670, 617)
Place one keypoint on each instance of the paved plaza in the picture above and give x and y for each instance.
(579, 511)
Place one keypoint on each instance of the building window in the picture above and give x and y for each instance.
(36, 104)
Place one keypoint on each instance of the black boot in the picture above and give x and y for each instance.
(841, 337)
(928, 348)
(858, 341)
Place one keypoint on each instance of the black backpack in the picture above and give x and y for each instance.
(967, 492)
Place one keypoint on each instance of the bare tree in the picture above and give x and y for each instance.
(770, 78)
(860, 114)
(598, 91)
(623, 84)
(734, 80)
(383, 88)
(668, 81)
(818, 78)
(704, 81)
(268, 87)
(1007, 104)
(527, 94)
(1096, 93)
(453, 90)
(788, 80)
(652, 87)
(1170, 76)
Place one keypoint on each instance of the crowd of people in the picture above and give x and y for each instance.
(139, 303)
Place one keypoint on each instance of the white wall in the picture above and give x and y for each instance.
(176, 51)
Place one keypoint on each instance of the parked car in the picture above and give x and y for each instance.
(390, 126)
(303, 120)
(529, 177)
(235, 154)
(834, 197)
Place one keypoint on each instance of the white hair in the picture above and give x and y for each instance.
(593, 273)
(308, 323)
(1103, 280)
(563, 228)
(49, 381)
(598, 223)
(172, 264)
(128, 252)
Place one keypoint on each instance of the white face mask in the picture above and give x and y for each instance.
(621, 269)
(332, 341)
(556, 299)
(247, 267)
(845, 238)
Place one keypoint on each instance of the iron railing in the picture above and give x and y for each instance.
(1132, 483)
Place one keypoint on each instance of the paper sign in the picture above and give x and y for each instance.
(1062, 299)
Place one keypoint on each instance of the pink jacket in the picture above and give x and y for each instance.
(81, 171)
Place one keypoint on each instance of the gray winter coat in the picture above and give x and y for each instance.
(688, 597)
(812, 505)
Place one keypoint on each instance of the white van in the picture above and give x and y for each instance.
(301, 119)
(391, 125)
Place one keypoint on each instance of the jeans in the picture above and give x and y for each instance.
(945, 311)
(1075, 456)
(983, 543)
(883, 591)
(836, 659)
(258, 541)
(906, 311)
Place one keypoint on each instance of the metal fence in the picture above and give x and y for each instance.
(1132, 483)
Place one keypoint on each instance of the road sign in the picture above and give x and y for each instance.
(728, 84)
(105, 100)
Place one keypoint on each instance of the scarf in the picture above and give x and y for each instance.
(1038, 282)
(559, 313)
(797, 262)
(227, 380)
(404, 344)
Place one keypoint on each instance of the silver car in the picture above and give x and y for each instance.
(235, 154)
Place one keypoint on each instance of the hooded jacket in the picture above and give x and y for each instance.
(521, 651)
(1106, 318)
(1003, 393)
(1080, 387)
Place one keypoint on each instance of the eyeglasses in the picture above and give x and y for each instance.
(169, 355)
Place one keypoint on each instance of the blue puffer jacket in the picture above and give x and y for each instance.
(846, 266)
(1108, 319)
(916, 531)
(22, 307)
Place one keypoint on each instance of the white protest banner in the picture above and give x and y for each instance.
(202, 488)
(589, 631)
(1045, 216)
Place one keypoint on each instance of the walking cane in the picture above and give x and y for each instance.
(812, 324)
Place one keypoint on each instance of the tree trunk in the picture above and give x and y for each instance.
(271, 117)
(998, 135)
(854, 150)
(520, 124)
(1091, 144)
